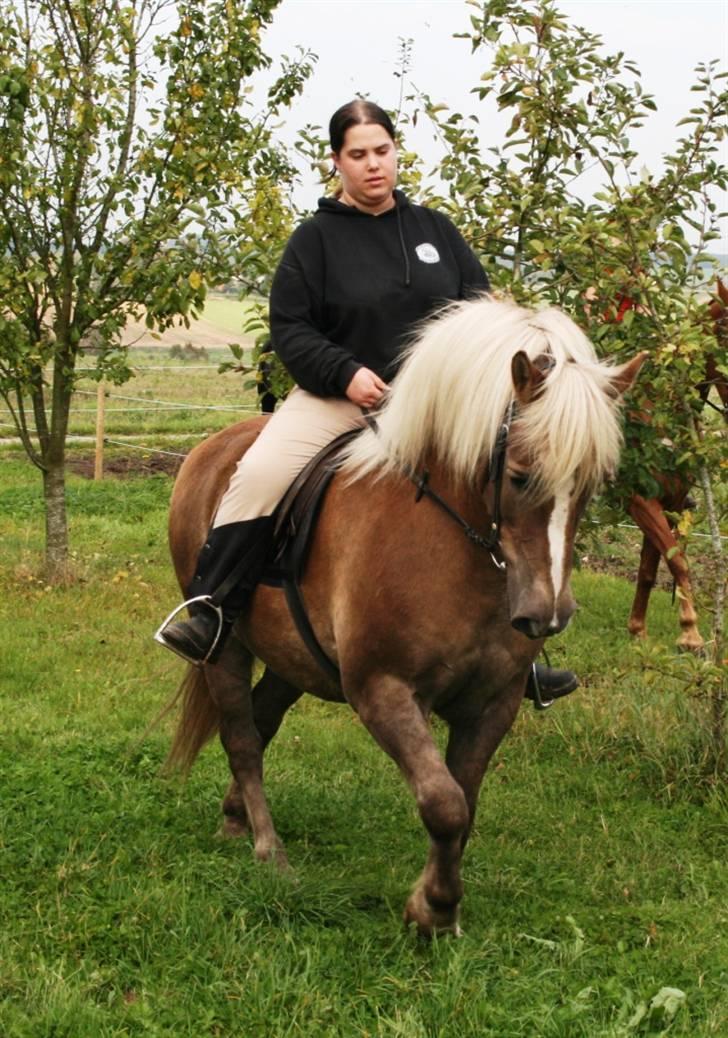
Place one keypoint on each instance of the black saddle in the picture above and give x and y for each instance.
(295, 522)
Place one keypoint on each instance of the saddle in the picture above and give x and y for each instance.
(295, 522)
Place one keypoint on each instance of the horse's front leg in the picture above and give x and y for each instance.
(473, 741)
(388, 709)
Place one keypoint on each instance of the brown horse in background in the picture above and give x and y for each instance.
(417, 615)
(655, 515)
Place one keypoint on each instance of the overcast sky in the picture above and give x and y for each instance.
(357, 42)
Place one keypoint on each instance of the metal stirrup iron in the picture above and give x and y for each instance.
(539, 703)
(203, 600)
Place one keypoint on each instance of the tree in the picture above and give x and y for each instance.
(638, 234)
(128, 148)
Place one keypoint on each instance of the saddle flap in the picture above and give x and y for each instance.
(295, 517)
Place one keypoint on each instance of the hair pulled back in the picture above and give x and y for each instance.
(356, 113)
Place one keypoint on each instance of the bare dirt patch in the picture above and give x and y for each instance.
(122, 467)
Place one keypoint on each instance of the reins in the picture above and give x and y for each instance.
(495, 476)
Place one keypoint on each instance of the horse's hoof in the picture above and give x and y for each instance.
(696, 648)
(426, 931)
(429, 921)
(233, 829)
(274, 855)
(692, 642)
(638, 632)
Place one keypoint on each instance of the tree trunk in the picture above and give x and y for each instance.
(54, 493)
(54, 458)
(719, 694)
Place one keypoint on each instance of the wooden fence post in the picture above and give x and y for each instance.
(100, 405)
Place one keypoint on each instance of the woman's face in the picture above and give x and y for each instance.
(367, 164)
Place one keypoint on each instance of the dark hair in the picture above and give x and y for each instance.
(355, 113)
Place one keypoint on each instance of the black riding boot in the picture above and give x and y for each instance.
(234, 555)
(545, 684)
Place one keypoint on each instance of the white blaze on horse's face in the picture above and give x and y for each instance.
(537, 541)
(560, 546)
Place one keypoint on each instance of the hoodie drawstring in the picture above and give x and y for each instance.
(407, 270)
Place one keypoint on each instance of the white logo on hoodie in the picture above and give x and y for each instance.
(427, 253)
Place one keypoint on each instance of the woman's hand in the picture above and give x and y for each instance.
(366, 388)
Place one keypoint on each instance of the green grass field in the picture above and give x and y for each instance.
(226, 312)
(166, 399)
(595, 879)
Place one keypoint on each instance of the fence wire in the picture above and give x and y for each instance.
(142, 447)
(161, 405)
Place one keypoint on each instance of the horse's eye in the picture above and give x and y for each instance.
(519, 480)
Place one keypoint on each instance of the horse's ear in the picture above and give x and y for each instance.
(527, 378)
(722, 291)
(624, 376)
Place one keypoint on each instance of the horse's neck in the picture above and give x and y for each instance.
(430, 477)
(466, 498)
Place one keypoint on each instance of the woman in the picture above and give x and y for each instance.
(352, 283)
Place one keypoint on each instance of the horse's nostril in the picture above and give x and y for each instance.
(526, 625)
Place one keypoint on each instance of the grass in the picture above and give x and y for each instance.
(227, 312)
(151, 402)
(596, 876)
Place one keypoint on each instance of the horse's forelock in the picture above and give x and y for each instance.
(571, 431)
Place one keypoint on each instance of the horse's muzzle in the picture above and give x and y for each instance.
(535, 628)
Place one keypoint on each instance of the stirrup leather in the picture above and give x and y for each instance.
(204, 600)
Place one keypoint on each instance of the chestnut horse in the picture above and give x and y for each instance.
(417, 616)
(654, 515)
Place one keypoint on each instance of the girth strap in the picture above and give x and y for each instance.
(296, 519)
(297, 608)
(293, 574)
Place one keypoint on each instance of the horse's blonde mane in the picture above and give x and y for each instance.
(453, 389)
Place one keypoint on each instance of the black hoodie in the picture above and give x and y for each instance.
(350, 288)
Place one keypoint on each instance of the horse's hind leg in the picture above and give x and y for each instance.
(388, 709)
(272, 697)
(651, 519)
(234, 816)
(646, 577)
(690, 639)
(229, 683)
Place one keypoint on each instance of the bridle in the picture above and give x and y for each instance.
(496, 468)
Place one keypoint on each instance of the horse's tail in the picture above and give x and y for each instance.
(199, 721)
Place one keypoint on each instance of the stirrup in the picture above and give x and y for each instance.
(539, 703)
(205, 600)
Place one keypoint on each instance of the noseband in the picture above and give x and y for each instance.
(496, 469)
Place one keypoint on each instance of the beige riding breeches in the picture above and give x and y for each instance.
(298, 430)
